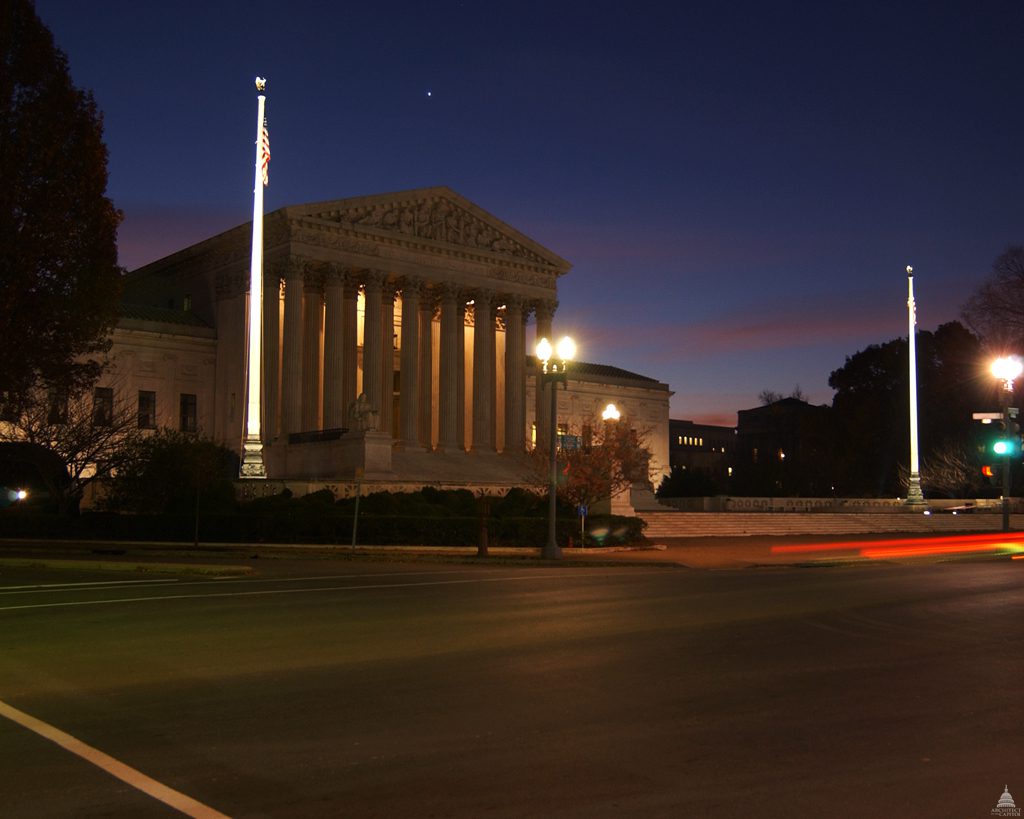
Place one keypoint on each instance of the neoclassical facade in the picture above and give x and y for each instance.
(393, 333)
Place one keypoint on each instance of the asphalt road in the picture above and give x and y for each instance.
(388, 690)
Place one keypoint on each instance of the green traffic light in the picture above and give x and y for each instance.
(1003, 447)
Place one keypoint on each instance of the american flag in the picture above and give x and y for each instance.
(265, 153)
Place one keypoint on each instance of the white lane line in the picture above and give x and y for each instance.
(266, 592)
(91, 583)
(47, 588)
(138, 780)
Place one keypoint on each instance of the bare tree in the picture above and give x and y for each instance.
(767, 397)
(995, 311)
(88, 431)
(950, 472)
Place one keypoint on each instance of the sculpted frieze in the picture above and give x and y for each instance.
(334, 241)
(437, 219)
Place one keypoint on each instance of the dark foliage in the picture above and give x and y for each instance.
(427, 518)
(171, 472)
(871, 407)
(687, 483)
(60, 283)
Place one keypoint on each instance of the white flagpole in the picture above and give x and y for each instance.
(252, 445)
(914, 495)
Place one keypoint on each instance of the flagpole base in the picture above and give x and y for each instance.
(252, 459)
(914, 495)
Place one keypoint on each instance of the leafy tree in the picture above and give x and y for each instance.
(60, 285)
(611, 458)
(995, 311)
(871, 406)
(167, 472)
(87, 437)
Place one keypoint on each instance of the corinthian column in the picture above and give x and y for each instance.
(334, 348)
(372, 354)
(425, 430)
(312, 319)
(515, 375)
(483, 373)
(452, 326)
(350, 331)
(408, 385)
(291, 358)
(387, 341)
(545, 313)
(271, 354)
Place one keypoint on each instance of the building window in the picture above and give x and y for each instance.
(188, 413)
(57, 400)
(103, 406)
(147, 409)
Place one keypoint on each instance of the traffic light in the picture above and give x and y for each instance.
(987, 471)
(1006, 445)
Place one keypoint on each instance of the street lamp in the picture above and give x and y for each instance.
(552, 371)
(1006, 369)
(611, 413)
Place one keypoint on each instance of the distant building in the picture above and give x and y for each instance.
(784, 448)
(703, 447)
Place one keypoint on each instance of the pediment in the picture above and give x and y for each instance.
(436, 216)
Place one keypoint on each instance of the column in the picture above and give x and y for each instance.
(460, 341)
(449, 435)
(372, 353)
(545, 313)
(408, 385)
(350, 344)
(387, 377)
(334, 348)
(515, 375)
(424, 431)
(228, 420)
(312, 320)
(271, 354)
(483, 373)
(291, 354)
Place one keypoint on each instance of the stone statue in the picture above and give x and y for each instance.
(362, 417)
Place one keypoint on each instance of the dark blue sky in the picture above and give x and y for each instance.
(738, 185)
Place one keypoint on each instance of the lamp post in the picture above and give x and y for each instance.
(553, 370)
(1006, 369)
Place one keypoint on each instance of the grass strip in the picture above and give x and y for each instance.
(126, 566)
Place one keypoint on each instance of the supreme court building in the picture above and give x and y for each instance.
(393, 344)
